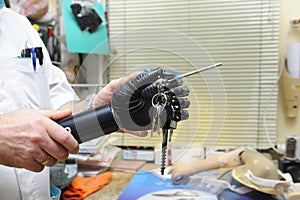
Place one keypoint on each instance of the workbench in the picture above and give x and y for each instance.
(118, 183)
(120, 180)
(113, 190)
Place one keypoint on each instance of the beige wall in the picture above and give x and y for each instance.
(52, 5)
(289, 9)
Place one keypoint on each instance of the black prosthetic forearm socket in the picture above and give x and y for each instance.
(90, 124)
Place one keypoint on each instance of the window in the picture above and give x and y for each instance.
(228, 104)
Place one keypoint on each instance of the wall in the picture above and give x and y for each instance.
(289, 9)
(52, 5)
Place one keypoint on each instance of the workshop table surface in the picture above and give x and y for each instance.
(118, 183)
(120, 180)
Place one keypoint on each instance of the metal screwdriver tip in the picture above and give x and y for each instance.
(196, 71)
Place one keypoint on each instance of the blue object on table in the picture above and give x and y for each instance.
(145, 182)
(254, 195)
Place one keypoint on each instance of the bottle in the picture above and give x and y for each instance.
(50, 43)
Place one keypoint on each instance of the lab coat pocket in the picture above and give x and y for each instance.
(32, 82)
(27, 65)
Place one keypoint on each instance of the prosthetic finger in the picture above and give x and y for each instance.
(181, 91)
(143, 80)
(181, 102)
(175, 83)
(167, 75)
(181, 115)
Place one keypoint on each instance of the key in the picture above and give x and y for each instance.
(156, 124)
(159, 101)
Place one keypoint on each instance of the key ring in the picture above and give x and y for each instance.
(164, 99)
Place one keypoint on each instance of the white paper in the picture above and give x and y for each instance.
(166, 175)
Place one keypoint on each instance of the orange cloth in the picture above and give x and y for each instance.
(81, 187)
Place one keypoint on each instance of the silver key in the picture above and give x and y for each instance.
(156, 120)
(158, 108)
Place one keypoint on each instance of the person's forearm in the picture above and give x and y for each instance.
(67, 106)
(209, 163)
(76, 107)
(224, 160)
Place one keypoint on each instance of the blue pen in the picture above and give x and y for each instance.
(33, 58)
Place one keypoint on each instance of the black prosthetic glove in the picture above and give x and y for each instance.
(132, 102)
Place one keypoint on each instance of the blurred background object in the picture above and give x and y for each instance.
(32, 9)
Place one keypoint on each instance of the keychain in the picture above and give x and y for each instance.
(159, 101)
(163, 101)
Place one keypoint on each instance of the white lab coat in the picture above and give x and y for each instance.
(22, 87)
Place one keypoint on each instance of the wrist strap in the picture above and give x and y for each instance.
(88, 102)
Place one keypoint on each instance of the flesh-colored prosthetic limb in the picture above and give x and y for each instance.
(260, 173)
(250, 168)
(181, 171)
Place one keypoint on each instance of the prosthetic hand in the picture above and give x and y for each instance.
(181, 171)
(132, 107)
(133, 103)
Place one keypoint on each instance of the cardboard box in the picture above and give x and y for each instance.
(135, 154)
(179, 153)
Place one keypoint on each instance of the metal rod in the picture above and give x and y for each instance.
(196, 71)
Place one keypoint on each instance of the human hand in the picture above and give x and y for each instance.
(105, 94)
(30, 139)
(181, 171)
(132, 101)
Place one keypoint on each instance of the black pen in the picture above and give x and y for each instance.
(39, 54)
